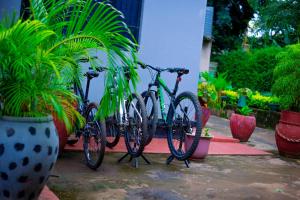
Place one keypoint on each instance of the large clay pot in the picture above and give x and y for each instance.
(205, 115)
(28, 152)
(202, 148)
(62, 133)
(287, 134)
(242, 126)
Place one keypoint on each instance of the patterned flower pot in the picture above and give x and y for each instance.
(242, 126)
(287, 134)
(28, 151)
(202, 148)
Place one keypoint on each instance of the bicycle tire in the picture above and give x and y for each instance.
(179, 153)
(152, 116)
(90, 135)
(112, 132)
(142, 133)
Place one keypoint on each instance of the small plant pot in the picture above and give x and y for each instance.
(242, 126)
(202, 148)
(287, 134)
(28, 152)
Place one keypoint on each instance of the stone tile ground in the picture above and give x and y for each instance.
(216, 177)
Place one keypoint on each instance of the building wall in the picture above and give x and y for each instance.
(205, 56)
(171, 36)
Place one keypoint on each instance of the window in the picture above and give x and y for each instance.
(132, 10)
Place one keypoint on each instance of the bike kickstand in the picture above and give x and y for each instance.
(145, 159)
(122, 158)
(169, 159)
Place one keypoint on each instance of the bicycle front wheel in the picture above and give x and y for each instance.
(185, 126)
(94, 138)
(152, 113)
(112, 131)
(136, 131)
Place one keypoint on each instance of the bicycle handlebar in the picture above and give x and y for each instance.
(171, 70)
(87, 59)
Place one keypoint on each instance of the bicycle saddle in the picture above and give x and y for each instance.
(179, 70)
(91, 74)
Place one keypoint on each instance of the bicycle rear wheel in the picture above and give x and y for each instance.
(152, 113)
(136, 131)
(184, 120)
(94, 138)
(112, 131)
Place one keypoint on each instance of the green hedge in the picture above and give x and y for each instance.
(253, 69)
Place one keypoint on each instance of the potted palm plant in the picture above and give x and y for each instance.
(36, 56)
(287, 88)
(242, 125)
(93, 28)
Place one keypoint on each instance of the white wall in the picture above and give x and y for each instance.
(171, 36)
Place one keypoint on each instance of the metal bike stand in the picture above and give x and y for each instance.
(171, 158)
(134, 160)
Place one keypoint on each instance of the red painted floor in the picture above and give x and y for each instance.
(47, 195)
(220, 145)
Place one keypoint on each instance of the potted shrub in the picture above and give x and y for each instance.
(287, 88)
(207, 95)
(203, 146)
(31, 90)
(242, 125)
(210, 91)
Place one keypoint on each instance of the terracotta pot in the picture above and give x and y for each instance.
(62, 133)
(242, 126)
(205, 115)
(287, 134)
(202, 148)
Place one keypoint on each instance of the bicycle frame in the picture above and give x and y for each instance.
(123, 113)
(161, 85)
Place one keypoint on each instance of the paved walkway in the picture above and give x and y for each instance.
(216, 177)
(261, 138)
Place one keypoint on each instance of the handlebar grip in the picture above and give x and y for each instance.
(84, 60)
(87, 59)
(99, 69)
(144, 66)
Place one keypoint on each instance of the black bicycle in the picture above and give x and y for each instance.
(130, 119)
(94, 131)
(183, 118)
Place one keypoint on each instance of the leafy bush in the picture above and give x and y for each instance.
(259, 101)
(287, 78)
(256, 99)
(252, 69)
(232, 95)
